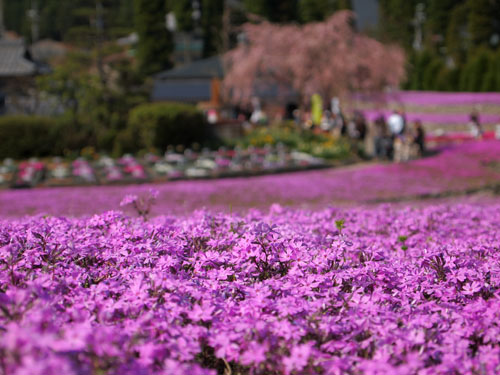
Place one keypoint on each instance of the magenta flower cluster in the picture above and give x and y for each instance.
(354, 291)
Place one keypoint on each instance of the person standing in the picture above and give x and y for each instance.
(382, 140)
(475, 125)
(396, 126)
(396, 123)
(419, 137)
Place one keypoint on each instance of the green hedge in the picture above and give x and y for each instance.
(150, 126)
(26, 136)
(157, 125)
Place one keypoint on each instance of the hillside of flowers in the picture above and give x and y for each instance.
(354, 291)
(283, 274)
(455, 169)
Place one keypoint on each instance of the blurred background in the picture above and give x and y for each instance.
(121, 91)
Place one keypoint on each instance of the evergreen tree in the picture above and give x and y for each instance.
(316, 10)
(319, 10)
(344, 4)
(483, 20)
(475, 71)
(155, 41)
(67, 20)
(280, 11)
(497, 64)
(447, 79)
(438, 17)
(418, 64)
(183, 11)
(431, 72)
(395, 21)
(491, 78)
(120, 15)
(15, 16)
(56, 19)
(211, 23)
(456, 33)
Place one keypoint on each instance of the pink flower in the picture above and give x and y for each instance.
(255, 354)
(128, 199)
(471, 288)
(299, 357)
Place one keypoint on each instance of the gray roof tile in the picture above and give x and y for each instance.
(206, 68)
(13, 62)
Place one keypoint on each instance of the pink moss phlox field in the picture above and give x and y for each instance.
(353, 291)
(433, 99)
(436, 118)
(455, 168)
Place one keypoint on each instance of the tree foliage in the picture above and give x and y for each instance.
(95, 113)
(395, 21)
(483, 21)
(456, 33)
(319, 10)
(459, 39)
(155, 41)
(72, 21)
(211, 23)
(183, 13)
(438, 17)
(281, 11)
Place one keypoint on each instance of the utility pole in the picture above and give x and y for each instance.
(418, 23)
(34, 16)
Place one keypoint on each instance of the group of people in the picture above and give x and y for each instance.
(389, 139)
(396, 139)
(393, 139)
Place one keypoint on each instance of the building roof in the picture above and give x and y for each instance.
(47, 49)
(200, 69)
(182, 90)
(13, 60)
(128, 40)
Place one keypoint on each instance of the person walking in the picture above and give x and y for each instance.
(419, 137)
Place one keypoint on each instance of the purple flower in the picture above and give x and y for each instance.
(128, 199)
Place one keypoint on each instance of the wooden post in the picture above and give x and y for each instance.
(215, 92)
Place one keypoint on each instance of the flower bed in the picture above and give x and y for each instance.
(29, 174)
(172, 166)
(335, 291)
(7, 172)
(59, 173)
(83, 172)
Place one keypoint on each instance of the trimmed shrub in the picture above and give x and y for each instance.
(157, 125)
(26, 136)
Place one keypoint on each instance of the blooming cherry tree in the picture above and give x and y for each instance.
(329, 58)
